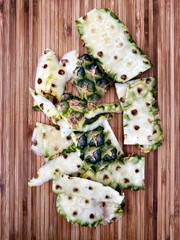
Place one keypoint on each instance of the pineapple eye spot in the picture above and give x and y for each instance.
(114, 219)
(137, 170)
(154, 132)
(65, 156)
(44, 135)
(64, 61)
(39, 81)
(149, 138)
(69, 198)
(68, 137)
(105, 177)
(85, 17)
(123, 77)
(57, 127)
(91, 215)
(83, 43)
(126, 32)
(148, 104)
(139, 90)
(122, 100)
(103, 204)
(149, 120)
(107, 197)
(55, 148)
(126, 180)
(112, 27)
(136, 127)
(35, 93)
(129, 64)
(134, 112)
(53, 85)
(100, 17)
(118, 168)
(90, 188)
(75, 213)
(88, 178)
(100, 54)
(58, 187)
(78, 174)
(86, 201)
(78, 166)
(61, 72)
(148, 80)
(35, 143)
(45, 66)
(75, 190)
(120, 45)
(115, 57)
(46, 51)
(134, 51)
(146, 62)
(57, 170)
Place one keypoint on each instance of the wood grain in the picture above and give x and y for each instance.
(27, 27)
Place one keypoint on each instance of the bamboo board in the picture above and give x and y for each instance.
(26, 29)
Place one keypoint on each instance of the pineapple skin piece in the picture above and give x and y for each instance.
(155, 139)
(90, 79)
(47, 140)
(52, 75)
(67, 164)
(87, 212)
(86, 203)
(84, 187)
(127, 173)
(107, 39)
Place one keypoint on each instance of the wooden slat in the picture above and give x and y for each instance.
(27, 27)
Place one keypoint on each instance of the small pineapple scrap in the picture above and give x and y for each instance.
(52, 75)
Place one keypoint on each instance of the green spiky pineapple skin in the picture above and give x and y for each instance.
(109, 43)
(118, 174)
(96, 147)
(90, 79)
(78, 113)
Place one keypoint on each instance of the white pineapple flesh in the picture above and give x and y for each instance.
(108, 40)
(136, 106)
(52, 75)
(84, 187)
(47, 140)
(87, 212)
(68, 164)
(138, 116)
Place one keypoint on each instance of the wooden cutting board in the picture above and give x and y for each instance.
(26, 29)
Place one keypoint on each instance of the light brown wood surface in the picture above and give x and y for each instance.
(26, 29)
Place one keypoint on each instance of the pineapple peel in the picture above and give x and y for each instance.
(83, 157)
